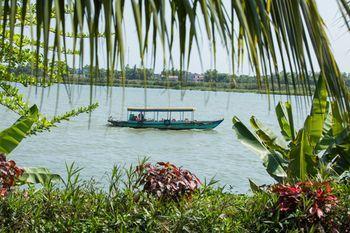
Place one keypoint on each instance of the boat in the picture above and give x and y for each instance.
(163, 118)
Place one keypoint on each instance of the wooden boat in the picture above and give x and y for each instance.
(137, 118)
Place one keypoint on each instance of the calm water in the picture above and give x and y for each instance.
(208, 154)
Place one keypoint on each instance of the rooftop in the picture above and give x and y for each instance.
(161, 109)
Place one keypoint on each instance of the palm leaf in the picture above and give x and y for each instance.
(344, 6)
(276, 35)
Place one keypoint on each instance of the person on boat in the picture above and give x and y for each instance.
(140, 117)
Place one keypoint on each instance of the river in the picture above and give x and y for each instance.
(92, 145)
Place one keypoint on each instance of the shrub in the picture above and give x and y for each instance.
(318, 195)
(306, 205)
(167, 181)
(9, 173)
(84, 206)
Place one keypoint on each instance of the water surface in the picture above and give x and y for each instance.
(97, 148)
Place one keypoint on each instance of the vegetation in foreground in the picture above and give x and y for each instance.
(165, 198)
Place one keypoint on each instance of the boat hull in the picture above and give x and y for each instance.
(167, 125)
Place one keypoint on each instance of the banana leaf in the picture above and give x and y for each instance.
(12, 136)
(337, 123)
(318, 114)
(39, 176)
(327, 138)
(254, 187)
(338, 153)
(303, 162)
(275, 164)
(303, 155)
(268, 137)
(285, 120)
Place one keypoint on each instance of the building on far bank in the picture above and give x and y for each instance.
(197, 78)
(171, 78)
(157, 77)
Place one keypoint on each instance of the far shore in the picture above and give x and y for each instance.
(192, 87)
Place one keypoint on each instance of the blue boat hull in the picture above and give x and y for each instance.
(169, 125)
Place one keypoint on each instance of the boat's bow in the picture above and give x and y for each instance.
(212, 124)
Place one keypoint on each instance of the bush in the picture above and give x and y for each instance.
(314, 199)
(167, 181)
(303, 207)
(83, 206)
(9, 173)
(318, 194)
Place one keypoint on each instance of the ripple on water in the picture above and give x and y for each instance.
(96, 149)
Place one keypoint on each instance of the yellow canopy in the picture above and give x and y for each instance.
(161, 109)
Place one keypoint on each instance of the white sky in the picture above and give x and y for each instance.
(339, 38)
(338, 34)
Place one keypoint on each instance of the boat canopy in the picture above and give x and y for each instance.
(161, 109)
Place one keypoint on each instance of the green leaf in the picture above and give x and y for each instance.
(327, 138)
(303, 154)
(337, 123)
(338, 152)
(39, 176)
(11, 137)
(318, 114)
(248, 138)
(303, 163)
(267, 136)
(274, 162)
(254, 187)
(285, 120)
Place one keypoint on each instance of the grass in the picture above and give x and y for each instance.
(78, 206)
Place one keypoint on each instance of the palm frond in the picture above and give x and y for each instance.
(277, 36)
(344, 6)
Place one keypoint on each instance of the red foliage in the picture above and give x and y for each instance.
(167, 181)
(9, 172)
(292, 196)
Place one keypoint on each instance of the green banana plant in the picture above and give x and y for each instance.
(11, 137)
(38, 175)
(323, 140)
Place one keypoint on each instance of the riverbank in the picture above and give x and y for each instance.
(203, 86)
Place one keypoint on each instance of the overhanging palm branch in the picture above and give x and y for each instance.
(276, 35)
(344, 6)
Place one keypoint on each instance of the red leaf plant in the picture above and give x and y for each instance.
(9, 173)
(167, 181)
(319, 193)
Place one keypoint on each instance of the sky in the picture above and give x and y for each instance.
(338, 35)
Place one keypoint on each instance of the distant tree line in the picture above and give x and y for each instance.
(211, 78)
